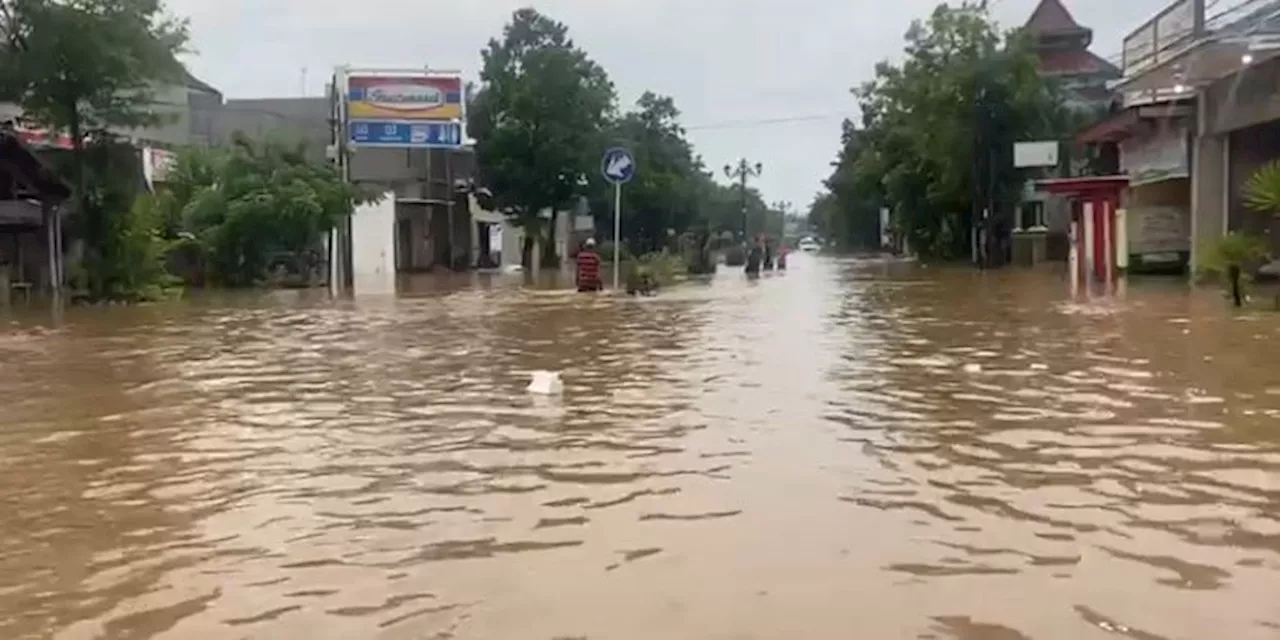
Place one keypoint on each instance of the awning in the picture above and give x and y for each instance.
(1117, 126)
(1083, 186)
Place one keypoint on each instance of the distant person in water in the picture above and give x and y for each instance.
(768, 254)
(782, 257)
(755, 257)
(589, 267)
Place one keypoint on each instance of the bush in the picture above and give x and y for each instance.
(661, 268)
(1231, 260)
(605, 250)
(735, 256)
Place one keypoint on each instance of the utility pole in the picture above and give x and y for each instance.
(742, 172)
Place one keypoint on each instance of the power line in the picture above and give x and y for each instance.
(736, 124)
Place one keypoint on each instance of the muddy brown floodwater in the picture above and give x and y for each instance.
(849, 450)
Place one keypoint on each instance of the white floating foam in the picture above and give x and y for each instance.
(545, 383)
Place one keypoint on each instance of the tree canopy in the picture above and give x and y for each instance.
(245, 203)
(89, 64)
(86, 67)
(538, 117)
(545, 112)
(935, 143)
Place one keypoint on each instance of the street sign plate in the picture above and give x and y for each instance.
(618, 166)
(420, 135)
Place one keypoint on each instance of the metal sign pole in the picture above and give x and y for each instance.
(617, 231)
(617, 166)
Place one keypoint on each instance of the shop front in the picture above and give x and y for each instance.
(1157, 202)
(1228, 65)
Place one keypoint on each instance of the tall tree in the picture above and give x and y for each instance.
(663, 197)
(538, 119)
(940, 127)
(84, 67)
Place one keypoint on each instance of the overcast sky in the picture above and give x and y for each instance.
(735, 67)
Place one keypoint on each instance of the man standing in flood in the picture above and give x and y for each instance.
(755, 257)
(589, 267)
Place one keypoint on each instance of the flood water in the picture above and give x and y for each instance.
(847, 450)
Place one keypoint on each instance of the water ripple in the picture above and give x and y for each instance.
(849, 445)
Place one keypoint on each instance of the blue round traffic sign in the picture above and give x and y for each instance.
(618, 165)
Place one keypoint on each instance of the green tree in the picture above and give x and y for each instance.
(244, 205)
(939, 129)
(83, 67)
(538, 119)
(664, 197)
(849, 210)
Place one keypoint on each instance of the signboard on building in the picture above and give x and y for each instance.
(1042, 153)
(1171, 29)
(156, 165)
(412, 109)
(1160, 155)
(1158, 233)
(404, 98)
(405, 134)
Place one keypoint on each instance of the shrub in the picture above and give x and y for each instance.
(1231, 259)
(661, 267)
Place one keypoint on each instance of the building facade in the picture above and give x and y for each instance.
(1226, 68)
(1062, 52)
(1063, 56)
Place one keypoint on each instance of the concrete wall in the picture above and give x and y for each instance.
(303, 120)
(1243, 100)
(1232, 138)
(1208, 193)
(373, 268)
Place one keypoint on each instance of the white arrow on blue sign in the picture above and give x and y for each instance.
(618, 166)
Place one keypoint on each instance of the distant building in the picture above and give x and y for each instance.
(1063, 58)
(1062, 49)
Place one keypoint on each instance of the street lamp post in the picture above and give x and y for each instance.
(742, 172)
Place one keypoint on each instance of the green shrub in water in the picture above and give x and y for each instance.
(657, 269)
(1231, 259)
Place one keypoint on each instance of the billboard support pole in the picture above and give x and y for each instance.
(337, 255)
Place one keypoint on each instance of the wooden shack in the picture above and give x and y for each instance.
(31, 197)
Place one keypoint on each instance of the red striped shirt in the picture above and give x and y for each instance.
(588, 268)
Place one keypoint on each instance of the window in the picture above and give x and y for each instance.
(1031, 216)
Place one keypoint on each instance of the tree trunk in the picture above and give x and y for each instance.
(1233, 276)
(550, 257)
(90, 225)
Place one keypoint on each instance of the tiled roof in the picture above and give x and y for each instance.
(1051, 17)
(1074, 62)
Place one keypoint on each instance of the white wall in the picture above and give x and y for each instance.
(373, 237)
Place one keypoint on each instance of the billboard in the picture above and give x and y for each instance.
(412, 109)
(1035, 154)
(423, 97)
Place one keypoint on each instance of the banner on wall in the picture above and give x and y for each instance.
(420, 110)
(1163, 154)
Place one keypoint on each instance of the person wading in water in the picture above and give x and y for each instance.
(589, 267)
(754, 258)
